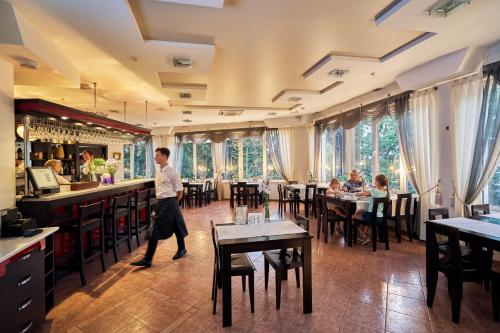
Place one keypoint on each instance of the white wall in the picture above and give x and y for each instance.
(300, 153)
(116, 148)
(7, 137)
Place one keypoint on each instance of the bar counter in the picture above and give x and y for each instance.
(44, 207)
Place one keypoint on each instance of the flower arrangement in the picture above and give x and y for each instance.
(112, 166)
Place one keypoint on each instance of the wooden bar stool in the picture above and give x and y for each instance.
(90, 218)
(120, 209)
(140, 203)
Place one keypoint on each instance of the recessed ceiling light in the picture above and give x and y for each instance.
(187, 112)
(99, 128)
(185, 95)
(64, 118)
(108, 127)
(294, 99)
(52, 118)
(78, 124)
(337, 72)
(89, 123)
(136, 133)
(187, 121)
(444, 8)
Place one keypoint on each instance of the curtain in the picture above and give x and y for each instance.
(150, 161)
(310, 156)
(467, 95)
(418, 139)
(177, 160)
(219, 164)
(487, 144)
(219, 135)
(349, 150)
(318, 132)
(280, 147)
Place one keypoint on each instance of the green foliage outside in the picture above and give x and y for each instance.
(494, 189)
(126, 161)
(328, 154)
(232, 169)
(271, 171)
(204, 166)
(363, 150)
(187, 161)
(388, 150)
(252, 157)
(140, 159)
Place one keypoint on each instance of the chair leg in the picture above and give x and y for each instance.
(456, 298)
(318, 227)
(103, 247)
(374, 237)
(409, 228)
(137, 225)
(432, 279)
(495, 298)
(397, 221)
(325, 230)
(214, 277)
(81, 258)
(115, 254)
(244, 282)
(266, 273)
(386, 236)
(251, 290)
(129, 235)
(214, 310)
(278, 288)
(297, 276)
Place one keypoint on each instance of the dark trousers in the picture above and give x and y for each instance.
(152, 244)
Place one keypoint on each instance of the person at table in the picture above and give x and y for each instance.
(335, 190)
(354, 183)
(169, 219)
(381, 190)
(56, 165)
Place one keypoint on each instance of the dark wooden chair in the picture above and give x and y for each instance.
(241, 193)
(434, 213)
(308, 201)
(457, 268)
(495, 294)
(252, 196)
(233, 194)
(117, 234)
(283, 200)
(282, 261)
(477, 210)
(241, 265)
(139, 205)
(327, 217)
(185, 192)
(406, 216)
(207, 192)
(292, 182)
(378, 224)
(193, 195)
(90, 218)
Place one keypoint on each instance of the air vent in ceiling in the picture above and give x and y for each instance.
(294, 99)
(185, 95)
(337, 72)
(187, 112)
(187, 121)
(444, 8)
(182, 62)
(230, 113)
(113, 111)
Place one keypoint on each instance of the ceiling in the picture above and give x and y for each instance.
(251, 55)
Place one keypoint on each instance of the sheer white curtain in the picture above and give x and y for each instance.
(310, 144)
(467, 95)
(219, 164)
(285, 151)
(349, 149)
(422, 121)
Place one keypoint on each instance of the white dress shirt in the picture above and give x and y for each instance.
(167, 182)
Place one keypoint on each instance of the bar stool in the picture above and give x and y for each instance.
(120, 209)
(90, 218)
(141, 202)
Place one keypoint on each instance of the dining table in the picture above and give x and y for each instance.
(233, 190)
(244, 238)
(200, 187)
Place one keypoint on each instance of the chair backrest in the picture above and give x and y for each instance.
(310, 191)
(321, 190)
(302, 221)
(91, 211)
(435, 212)
(385, 208)
(435, 233)
(280, 192)
(142, 198)
(320, 204)
(399, 203)
(208, 185)
(241, 186)
(480, 209)
(214, 243)
(292, 182)
(122, 201)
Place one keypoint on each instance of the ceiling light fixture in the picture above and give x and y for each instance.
(89, 123)
(444, 8)
(182, 62)
(337, 72)
(187, 121)
(184, 95)
(294, 99)
(64, 118)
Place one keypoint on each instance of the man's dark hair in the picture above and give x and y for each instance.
(164, 151)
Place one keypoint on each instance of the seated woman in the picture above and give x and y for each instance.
(354, 183)
(334, 190)
(381, 190)
(57, 167)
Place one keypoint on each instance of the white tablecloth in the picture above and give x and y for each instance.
(494, 215)
(237, 231)
(302, 189)
(362, 205)
(480, 227)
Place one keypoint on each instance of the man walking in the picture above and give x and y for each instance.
(169, 218)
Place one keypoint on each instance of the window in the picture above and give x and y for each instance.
(363, 150)
(126, 161)
(140, 158)
(493, 192)
(204, 166)
(328, 154)
(187, 161)
(231, 171)
(252, 157)
(271, 171)
(388, 150)
(339, 152)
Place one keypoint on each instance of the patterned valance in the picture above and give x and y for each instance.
(371, 113)
(218, 135)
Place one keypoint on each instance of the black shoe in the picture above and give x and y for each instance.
(142, 262)
(179, 254)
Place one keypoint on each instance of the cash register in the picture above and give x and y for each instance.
(12, 225)
(43, 180)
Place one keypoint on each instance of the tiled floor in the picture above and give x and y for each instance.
(354, 290)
